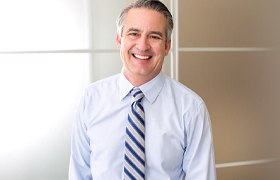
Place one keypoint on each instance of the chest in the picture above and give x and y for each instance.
(164, 136)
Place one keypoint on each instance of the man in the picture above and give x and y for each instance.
(162, 131)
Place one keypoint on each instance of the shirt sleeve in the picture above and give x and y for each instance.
(199, 161)
(79, 168)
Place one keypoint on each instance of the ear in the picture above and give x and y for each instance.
(118, 40)
(167, 47)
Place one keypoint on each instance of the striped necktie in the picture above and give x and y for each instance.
(134, 158)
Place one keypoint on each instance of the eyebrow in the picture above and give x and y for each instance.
(152, 32)
(157, 33)
(133, 29)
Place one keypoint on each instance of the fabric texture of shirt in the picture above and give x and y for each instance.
(178, 137)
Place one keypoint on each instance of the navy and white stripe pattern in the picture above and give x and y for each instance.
(134, 158)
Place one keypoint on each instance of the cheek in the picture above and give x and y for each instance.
(161, 49)
(126, 44)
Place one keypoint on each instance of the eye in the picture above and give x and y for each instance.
(155, 37)
(133, 34)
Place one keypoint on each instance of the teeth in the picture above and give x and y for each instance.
(141, 57)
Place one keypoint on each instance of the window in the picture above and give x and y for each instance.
(44, 66)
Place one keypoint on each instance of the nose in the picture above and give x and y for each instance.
(143, 44)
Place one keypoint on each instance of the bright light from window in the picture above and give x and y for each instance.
(43, 25)
(39, 92)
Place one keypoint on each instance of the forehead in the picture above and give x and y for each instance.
(144, 19)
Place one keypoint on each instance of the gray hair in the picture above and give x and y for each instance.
(150, 4)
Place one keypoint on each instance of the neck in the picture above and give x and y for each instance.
(137, 81)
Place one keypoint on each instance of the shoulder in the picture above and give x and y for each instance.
(189, 104)
(182, 92)
(106, 82)
(102, 86)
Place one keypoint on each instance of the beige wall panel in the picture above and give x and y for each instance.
(254, 172)
(242, 94)
(230, 23)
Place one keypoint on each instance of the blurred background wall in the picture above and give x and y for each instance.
(229, 54)
(226, 51)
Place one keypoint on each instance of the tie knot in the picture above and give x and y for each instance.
(137, 94)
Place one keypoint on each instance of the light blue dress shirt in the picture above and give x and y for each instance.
(178, 141)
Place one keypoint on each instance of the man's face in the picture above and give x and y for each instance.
(143, 45)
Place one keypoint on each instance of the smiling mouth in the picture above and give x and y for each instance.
(137, 56)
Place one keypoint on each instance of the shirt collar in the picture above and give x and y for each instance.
(150, 89)
(124, 86)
